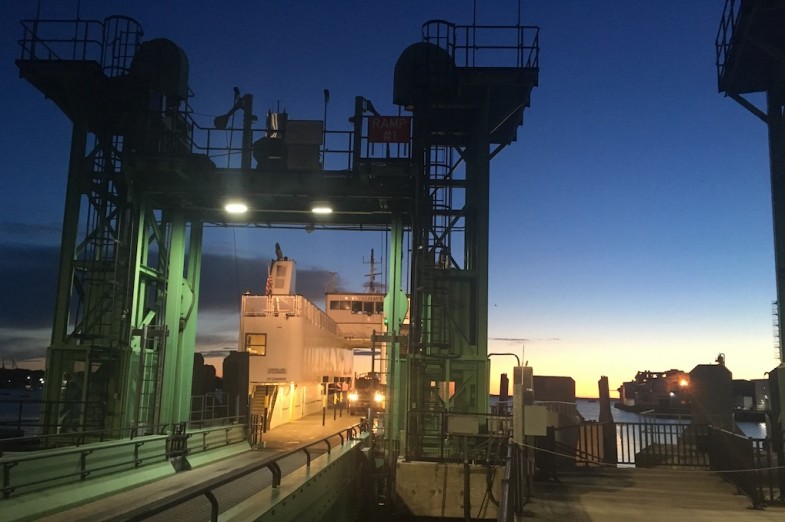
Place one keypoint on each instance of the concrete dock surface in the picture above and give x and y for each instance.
(630, 494)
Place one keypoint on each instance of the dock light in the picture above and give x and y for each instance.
(378, 397)
(353, 396)
(684, 383)
(321, 208)
(236, 207)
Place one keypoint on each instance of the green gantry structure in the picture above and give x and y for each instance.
(142, 184)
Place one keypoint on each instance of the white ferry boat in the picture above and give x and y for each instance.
(292, 358)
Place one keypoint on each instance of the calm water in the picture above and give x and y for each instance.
(20, 406)
(591, 411)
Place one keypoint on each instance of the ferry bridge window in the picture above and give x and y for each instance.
(256, 343)
(362, 307)
(340, 305)
(379, 307)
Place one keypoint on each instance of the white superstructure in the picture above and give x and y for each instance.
(290, 353)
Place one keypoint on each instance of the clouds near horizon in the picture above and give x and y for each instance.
(28, 278)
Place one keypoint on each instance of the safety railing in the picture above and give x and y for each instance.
(515, 46)
(111, 43)
(224, 147)
(20, 416)
(292, 305)
(38, 470)
(438, 435)
(358, 432)
(750, 464)
(62, 40)
(24, 431)
(725, 32)
(637, 444)
(205, 409)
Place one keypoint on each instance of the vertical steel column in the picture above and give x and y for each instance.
(477, 156)
(395, 307)
(775, 121)
(170, 395)
(187, 339)
(73, 196)
(55, 366)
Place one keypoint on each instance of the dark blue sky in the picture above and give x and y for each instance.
(631, 221)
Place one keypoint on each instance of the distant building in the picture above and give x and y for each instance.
(663, 392)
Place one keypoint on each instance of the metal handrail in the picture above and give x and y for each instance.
(432, 425)
(82, 45)
(206, 489)
(8, 463)
(725, 32)
(463, 45)
(749, 463)
(90, 41)
(80, 438)
(133, 462)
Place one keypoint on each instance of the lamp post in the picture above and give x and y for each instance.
(521, 340)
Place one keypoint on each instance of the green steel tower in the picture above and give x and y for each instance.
(751, 59)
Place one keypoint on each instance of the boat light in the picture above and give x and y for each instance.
(683, 383)
(378, 397)
(353, 396)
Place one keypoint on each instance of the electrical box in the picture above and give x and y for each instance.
(462, 424)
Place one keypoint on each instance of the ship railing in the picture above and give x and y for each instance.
(291, 305)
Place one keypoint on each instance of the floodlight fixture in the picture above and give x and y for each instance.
(236, 207)
(321, 208)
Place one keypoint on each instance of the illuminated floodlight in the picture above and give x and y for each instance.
(684, 382)
(321, 208)
(236, 207)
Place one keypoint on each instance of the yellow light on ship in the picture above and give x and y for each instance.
(378, 397)
(683, 383)
(353, 396)
(236, 207)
